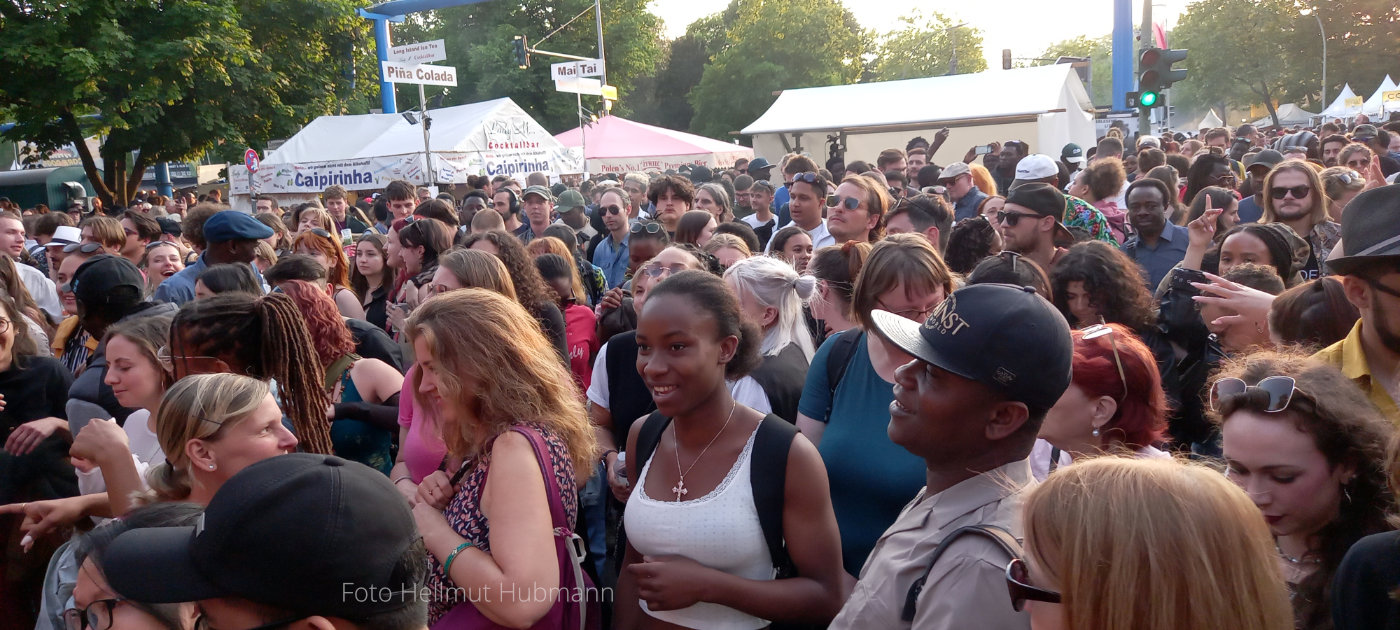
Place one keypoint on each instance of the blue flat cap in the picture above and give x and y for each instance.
(232, 225)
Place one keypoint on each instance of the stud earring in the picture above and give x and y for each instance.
(211, 467)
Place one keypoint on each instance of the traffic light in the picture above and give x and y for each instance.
(1169, 75)
(522, 52)
(1149, 77)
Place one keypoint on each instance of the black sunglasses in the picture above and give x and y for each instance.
(320, 232)
(613, 209)
(1019, 587)
(1298, 192)
(849, 203)
(1102, 329)
(82, 248)
(1012, 218)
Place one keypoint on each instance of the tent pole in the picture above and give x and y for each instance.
(427, 152)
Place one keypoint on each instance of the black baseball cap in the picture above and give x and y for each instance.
(1003, 336)
(295, 532)
(759, 164)
(169, 226)
(107, 279)
(1046, 201)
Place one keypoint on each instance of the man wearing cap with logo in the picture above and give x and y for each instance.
(230, 236)
(1257, 167)
(1369, 266)
(108, 289)
(1031, 223)
(1072, 156)
(760, 169)
(1041, 168)
(987, 365)
(302, 541)
(538, 203)
(966, 197)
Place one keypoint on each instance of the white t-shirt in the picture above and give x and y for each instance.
(145, 452)
(1040, 457)
(42, 289)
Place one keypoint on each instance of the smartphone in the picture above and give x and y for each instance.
(982, 149)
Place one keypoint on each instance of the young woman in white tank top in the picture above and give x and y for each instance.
(696, 555)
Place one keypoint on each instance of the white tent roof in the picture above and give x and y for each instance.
(1338, 108)
(1373, 104)
(920, 102)
(1288, 114)
(1209, 121)
(459, 129)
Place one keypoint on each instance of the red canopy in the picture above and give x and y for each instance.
(618, 145)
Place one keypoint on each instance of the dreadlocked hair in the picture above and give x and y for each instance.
(265, 338)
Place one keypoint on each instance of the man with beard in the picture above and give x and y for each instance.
(1370, 354)
(1294, 197)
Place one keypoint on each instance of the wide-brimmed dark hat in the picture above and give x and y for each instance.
(1370, 230)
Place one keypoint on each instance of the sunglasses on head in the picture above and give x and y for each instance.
(1103, 330)
(810, 178)
(320, 232)
(1298, 192)
(651, 227)
(83, 248)
(1019, 587)
(1279, 389)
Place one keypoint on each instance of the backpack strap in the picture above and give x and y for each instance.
(841, 352)
(1001, 537)
(648, 438)
(768, 478)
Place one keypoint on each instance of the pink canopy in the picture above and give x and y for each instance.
(618, 145)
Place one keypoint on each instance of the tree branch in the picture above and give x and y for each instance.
(70, 123)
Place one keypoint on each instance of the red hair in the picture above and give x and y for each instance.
(329, 334)
(339, 271)
(1141, 418)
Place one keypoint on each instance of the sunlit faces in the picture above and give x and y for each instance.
(1147, 210)
(401, 208)
(798, 251)
(707, 233)
(257, 437)
(337, 208)
(443, 281)
(135, 378)
(263, 206)
(306, 248)
(1022, 229)
(850, 224)
(369, 261)
(1281, 468)
(392, 245)
(613, 206)
(1291, 207)
(680, 354)
(538, 210)
(12, 237)
(164, 260)
(991, 206)
(705, 201)
(670, 207)
(309, 221)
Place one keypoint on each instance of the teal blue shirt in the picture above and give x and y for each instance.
(871, 477)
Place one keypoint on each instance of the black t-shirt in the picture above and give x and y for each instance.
(1364, 589)
(376, 312)
(36, 389)
(782, 377)
(371, 342)
(628, 395)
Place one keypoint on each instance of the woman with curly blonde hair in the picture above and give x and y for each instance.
(506, 406)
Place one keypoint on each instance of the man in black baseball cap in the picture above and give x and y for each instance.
(1032, 223)
(1369, 266)
(299, 540)
(987, 365)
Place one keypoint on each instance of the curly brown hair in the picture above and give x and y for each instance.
(530, 289)
(1112, 281)
(1104, 177)
(1347, 429)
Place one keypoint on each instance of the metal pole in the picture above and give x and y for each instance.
(1124, 55)
(381, 46)
(598, 20)
(583, 132)
(953, 58)
(1147, 41)
(427, 151)
(1324, 57)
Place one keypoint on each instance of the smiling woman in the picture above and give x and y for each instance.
(1309, 449)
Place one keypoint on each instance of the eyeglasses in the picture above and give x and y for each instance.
(1298, 192)
(1104, 330)
(1280, 390)
(97, 616)
(650, 227)
(912, 314)
(657, 270)
(1359, 165)
(1019, 587)
(83, 248)
(166, 359)
(849, 203)
(1375, 284)
(4, 325)
(1225, 177)
(613, 209)
(1012, 218)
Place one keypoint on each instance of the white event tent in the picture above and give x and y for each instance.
(1374, 106)
(616, 145)
(1288, 114)
(368, 151)
(1339, 107)
(1046, 106)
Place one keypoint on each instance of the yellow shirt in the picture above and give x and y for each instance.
(1350, 357)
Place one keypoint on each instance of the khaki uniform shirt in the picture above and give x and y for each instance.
(1348, 356)
(967, 588)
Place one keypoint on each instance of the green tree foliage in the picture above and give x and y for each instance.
(923, 48)
(661, 99)
(478, 38)
(774, 45)
(168, 80)
(1099, 50)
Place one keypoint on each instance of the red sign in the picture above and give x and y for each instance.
(250, 160)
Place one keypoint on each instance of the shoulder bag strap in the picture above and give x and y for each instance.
(338, 369)
(1001, 537)
(562, 529)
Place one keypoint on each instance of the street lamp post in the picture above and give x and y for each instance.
(953, 58)
(1318, 15)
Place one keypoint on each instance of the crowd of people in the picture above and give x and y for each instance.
(1148, 385)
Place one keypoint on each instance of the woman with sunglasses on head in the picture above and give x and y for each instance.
(1294, 197)
(326, 249)
(1145, 544)
(1341, 184)
(1309, 449)
(1012, 268)
(1115, 402)
(845, 403)
(371, 278)
(697, 554)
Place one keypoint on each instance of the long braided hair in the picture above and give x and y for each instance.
(265, 338)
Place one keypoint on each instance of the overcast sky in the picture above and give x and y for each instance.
(1034, 24)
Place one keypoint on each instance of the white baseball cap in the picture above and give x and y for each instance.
(1036, 166)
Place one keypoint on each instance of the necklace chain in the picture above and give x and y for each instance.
(680, 488)
(1304, 559)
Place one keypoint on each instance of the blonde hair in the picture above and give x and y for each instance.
(1154, 544)
(1319, 196)
(480, 270)
(551, 245)
(198, 407)
(982, 179)
(773, 282)
(265, 253)
(723, 240)
(515, 370)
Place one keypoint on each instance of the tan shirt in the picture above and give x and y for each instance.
(967, 588)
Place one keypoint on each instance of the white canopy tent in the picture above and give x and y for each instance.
(1046, 106)
(1288, 114)
(1374, 107)
(1210, 121)
(1339, 107)
(368, 151)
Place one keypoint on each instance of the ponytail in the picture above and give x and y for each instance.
(169, 484)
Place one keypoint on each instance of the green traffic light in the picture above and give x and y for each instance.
(1148, 99)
